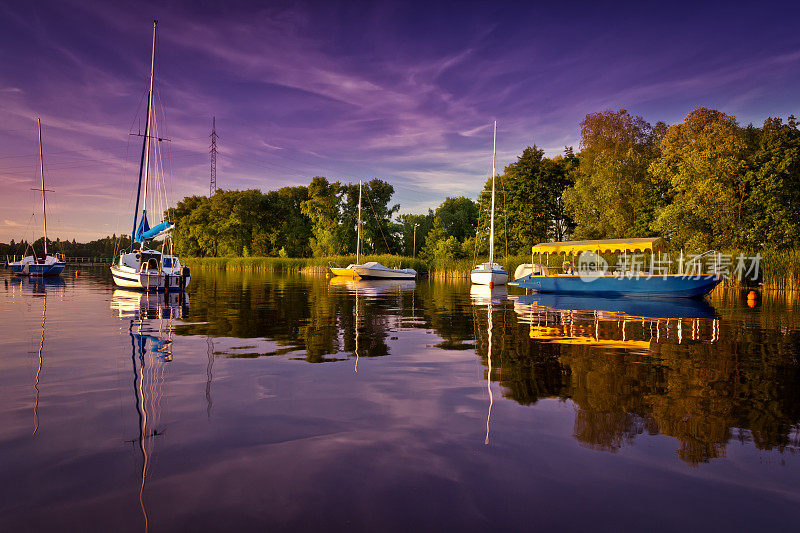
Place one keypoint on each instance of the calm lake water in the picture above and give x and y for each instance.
(290, 402)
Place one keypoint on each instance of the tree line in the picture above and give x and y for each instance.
(103, 247)
(707, 182)
(704, 183)
(315, 220)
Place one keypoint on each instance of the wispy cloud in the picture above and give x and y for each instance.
(306, 89)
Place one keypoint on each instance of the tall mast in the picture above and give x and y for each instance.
(41, 163)
(491, 225)
(145, 160)
(149, 119)
(358, 238)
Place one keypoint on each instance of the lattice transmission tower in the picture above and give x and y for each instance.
(213, 188)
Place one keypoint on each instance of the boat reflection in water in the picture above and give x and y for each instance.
(616, 322)
(37, 285)
(490, 296)
(149, 305)
(634, 367)
(373, 287)
(151, 330)
(370, 290)
(482, 294)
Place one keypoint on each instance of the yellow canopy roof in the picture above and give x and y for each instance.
(649, 244)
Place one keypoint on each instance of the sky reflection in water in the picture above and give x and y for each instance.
(126, 411)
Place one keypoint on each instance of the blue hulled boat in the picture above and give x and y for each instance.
(591, 276)
(39, 265)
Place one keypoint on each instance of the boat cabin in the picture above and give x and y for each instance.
(569, 252)
(148, 260)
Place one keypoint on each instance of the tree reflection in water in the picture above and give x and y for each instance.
(696, 379)
(629, 367)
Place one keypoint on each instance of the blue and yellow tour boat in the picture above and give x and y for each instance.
(640, 272)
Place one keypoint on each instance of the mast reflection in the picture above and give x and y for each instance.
(39, 368)
(484, 295)
(366, 292)
(38, 288)
(151, 329)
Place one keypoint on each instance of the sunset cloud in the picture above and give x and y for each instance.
(386, 90)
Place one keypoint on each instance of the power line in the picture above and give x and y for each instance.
(213, 187)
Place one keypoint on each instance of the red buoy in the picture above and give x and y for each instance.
(491, 284)
(77, 273)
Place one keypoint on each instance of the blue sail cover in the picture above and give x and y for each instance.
(145, 233)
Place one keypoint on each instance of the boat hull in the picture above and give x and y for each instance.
(343, 272)
(675, 286)
(149, 281)
(369, 273)
(377, 272)
(489, 277)
(42, 270)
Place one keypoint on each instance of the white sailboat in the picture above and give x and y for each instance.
(490, 273)
(149, 269)
(43, 265)
(370, 269)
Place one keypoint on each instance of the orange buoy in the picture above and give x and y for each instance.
(752, 296)
(77, 273)
(491, 284)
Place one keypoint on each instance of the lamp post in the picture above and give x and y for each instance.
(415, 241)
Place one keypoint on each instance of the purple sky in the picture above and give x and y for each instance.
(405, 92)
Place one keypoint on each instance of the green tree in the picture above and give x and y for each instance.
(284, 220)
(614, 193)
(705, 162)
(323, 209)
(378, 231)
(457, 217)
(423, 223)
(529, 206)
(185, 234)
(454, 224)
(774, 204)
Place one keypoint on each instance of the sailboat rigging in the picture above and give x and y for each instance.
(370, 269)
(149, 269)
(43, 265)
(490, 273)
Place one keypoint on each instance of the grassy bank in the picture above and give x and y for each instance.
(779, 270)
(457, 268)
(298, 264)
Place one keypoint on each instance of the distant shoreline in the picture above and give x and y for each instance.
(780, 270)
